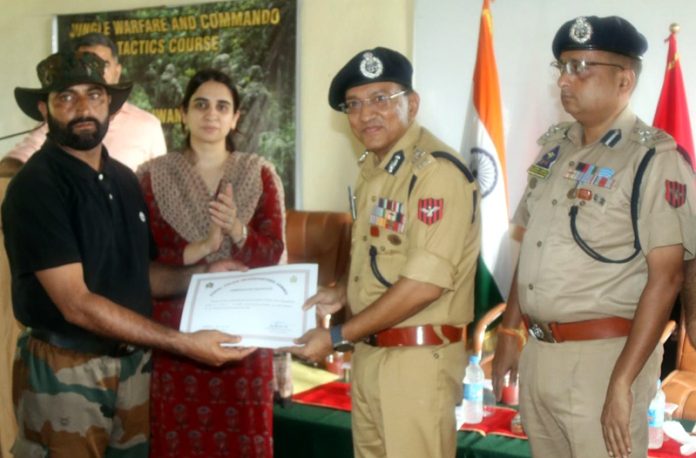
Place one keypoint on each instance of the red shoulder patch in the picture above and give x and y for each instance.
(675, 193)
(430, 210)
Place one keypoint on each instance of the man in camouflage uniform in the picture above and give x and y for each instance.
(415, 242)
(609, 217)
(79, 249)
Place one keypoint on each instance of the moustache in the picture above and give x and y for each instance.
(76, 121)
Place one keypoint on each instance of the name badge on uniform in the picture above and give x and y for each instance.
(542, 168)
(388, 214)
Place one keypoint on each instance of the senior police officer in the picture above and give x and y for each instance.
(415, 242)
(608, 215)
(79, 249)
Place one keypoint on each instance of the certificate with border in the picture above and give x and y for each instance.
(263, 306)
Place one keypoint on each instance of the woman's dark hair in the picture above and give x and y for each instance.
(203, 76)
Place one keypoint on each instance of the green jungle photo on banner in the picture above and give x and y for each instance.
(251, 40)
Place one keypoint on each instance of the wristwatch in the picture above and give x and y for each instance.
(337, 340)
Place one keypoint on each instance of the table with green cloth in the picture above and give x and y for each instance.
(303, 431)
(306, 430)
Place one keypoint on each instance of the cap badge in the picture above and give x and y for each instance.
(370, 66)
(581, 30)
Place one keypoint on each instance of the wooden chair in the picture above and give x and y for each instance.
(323, 238)
(314, 237)
(9, 331)
(320, 237)
(668, 331)
(478, 337)
(680, 385)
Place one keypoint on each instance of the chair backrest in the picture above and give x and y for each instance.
(9, 331)
(686, 353)
(321, 237)
(479, 335)
(680, 385)
(482, 326)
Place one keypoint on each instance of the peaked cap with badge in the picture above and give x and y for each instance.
(69, 68)
(612, 34)
(370, 66)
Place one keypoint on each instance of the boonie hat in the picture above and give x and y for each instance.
(370, 66)
(64, 69)
(612, 34)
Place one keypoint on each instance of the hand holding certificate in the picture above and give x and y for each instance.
(263, 306)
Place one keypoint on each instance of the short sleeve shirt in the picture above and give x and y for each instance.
(557, 280)
(59, 211)
(417, 218)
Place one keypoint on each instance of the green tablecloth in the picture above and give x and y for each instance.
(302, 431)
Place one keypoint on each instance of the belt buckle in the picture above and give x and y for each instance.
(371, 340)
(541, 331)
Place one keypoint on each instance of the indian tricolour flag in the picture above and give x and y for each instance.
(484, 149)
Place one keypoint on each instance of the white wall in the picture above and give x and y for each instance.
(329, 33)
(445, 39)
(333, 31)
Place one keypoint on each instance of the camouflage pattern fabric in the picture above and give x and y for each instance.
(78, 405)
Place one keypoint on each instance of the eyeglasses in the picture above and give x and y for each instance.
(380, 101)
(578, 67)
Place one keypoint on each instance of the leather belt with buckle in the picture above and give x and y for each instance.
(96, 347)
(600, 328)
(414, 336)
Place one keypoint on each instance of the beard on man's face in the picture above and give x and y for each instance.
(65, 135)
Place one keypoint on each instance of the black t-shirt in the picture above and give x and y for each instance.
(58, 211)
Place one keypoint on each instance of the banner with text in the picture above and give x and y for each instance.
(251, 40)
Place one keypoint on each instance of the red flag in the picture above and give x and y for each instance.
(672, 113)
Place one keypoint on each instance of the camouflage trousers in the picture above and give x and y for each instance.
(77, 405)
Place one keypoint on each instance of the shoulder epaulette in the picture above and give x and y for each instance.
(652, 137)
(456, 161)
(555, 132)
(421, 159)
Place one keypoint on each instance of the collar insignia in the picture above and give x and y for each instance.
(611, 138)
(395, 163)
(363, 156)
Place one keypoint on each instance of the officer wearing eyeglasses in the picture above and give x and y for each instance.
(415, 243)
(609, 217)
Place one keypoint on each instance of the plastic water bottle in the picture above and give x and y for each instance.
(473, 391)
(656, 418)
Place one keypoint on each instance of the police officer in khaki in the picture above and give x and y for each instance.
(415, 242)
(608, 215)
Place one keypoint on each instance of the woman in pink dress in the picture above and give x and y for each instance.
(209, 202)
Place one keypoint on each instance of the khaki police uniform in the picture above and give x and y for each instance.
(418, 215)
(563, 385)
